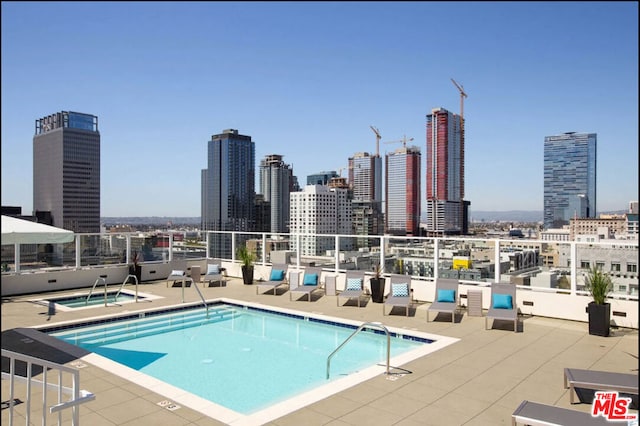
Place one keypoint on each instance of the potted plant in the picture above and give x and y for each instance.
(377, 284)
(135, 268)
(599, 285)
(247, 258)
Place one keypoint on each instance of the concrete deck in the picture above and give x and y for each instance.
(479, 380)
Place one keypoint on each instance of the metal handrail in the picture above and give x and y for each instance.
(126, 280)
(358, 330)
(94, 287)
(195, 285)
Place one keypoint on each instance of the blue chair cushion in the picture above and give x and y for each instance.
(310, 279)
(502, 301)
(448, 296)
(276, 275)
(354, 284)
(213, 270)
(400, 290)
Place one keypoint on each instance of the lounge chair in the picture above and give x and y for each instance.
(503, 304)
(354, 286)
(310, 282)
(214, 273)
(277, 277)
(400, 294)
(179, 273)
(446, 297)
(534, 413)
(577, 381)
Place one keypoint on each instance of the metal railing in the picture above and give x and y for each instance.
(358, 330)
(45, 387)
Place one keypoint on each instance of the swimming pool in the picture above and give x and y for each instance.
(86, 300)
(220, 355)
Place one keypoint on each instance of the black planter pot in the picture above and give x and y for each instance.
(247, 274)
(377, 289)
(137, 271)
(599, 319)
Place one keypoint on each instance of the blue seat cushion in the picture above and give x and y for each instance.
(502, 301)
(213, 270)
(448, 296)
(400, 290)
(354, 284)
(310, 279)
(276, 275)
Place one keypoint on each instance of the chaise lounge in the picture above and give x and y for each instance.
(400, 294)
(310, 282)
(446, 297)
(577, 380)
(502, 305)
(277, 278)
(354, 287)
(535, 413)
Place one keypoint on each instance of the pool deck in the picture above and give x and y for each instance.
(479, 380)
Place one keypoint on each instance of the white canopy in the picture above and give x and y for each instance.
(20, 231)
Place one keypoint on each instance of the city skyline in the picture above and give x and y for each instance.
(307, 80)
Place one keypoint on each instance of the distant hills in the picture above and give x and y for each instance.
(511, 215)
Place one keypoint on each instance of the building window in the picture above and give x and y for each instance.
(615, 267)
(632, 267)
(585, 264)
(600, 266)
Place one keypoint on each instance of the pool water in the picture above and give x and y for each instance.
(96, 298)
(242, 358)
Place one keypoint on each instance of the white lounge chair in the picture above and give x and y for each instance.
(214, 274)
(400, 294)
(277, 277)
(446, 297)
(503, 304)
(310, 282)
(354, 286)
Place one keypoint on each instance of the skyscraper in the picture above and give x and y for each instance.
(275, 184)
(365, 181)
(446, 208)
(402, 191)
(321, 178)
(66, 170)
(228, 188)
(569, 178)
(318, 209)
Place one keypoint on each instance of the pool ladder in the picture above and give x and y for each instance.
(365, 325)
(104, 281)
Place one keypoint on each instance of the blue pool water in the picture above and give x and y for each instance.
(96, 298)
(242, 358)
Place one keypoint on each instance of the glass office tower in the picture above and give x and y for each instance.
(402, 192)
(275, 186)
(66, 170)
(228, 188)
(569, 178)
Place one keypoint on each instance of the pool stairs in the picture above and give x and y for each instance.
(148, 325)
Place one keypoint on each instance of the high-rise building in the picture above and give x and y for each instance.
(365, 181)
(275, 185)
(66, 170)
(569, 178)
(446, 208)
(321, 178)
(318, 209)
(228, 188)
(402, 191)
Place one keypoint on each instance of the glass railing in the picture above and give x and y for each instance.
(540, 265)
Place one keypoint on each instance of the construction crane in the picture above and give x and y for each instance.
(404, 141)
(462, 96)
(378, 137)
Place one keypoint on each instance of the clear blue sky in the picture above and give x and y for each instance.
(306, 80)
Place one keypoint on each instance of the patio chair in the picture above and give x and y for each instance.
(446, 297)
(277, 277)
(179, 273)
(535, 413)
(400, 294)
(310, 282)
(584, 383)
(214, 274)
(502, 304)
(354, 286)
